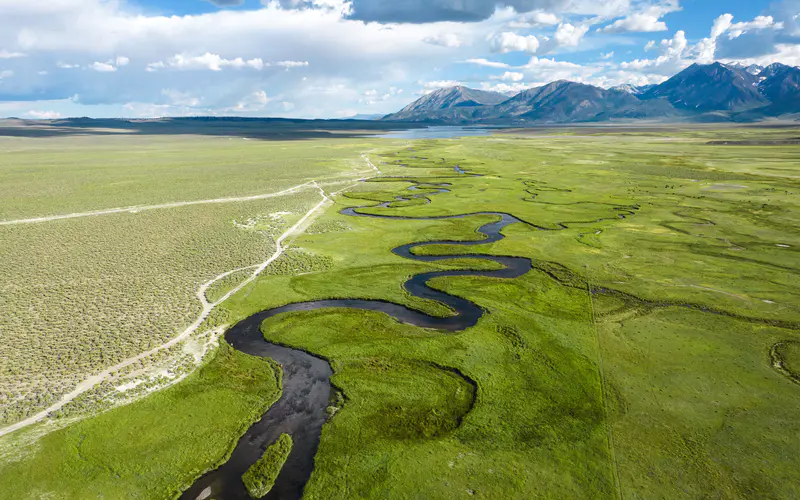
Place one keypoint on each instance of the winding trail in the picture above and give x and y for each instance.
(176, 204)
(301, 410)
(207, 307)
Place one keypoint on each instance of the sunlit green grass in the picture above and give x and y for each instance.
(260, 478)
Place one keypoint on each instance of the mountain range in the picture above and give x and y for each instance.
(711, 92)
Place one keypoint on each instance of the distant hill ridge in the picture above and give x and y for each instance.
(710, 92)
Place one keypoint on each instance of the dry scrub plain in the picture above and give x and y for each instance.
(82, 294)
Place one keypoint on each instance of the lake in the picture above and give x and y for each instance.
(448, 132)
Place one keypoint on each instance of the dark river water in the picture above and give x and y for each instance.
(301, 410)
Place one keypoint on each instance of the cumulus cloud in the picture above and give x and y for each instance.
(43, 115)
(785, 53)
(642, 22)
(759, 23)
(509, 89)
(721, 25)
(109, 66)
(449, 40)
(214, 62)
(537, 19)
(291, 64)
(439, 84)
(373, 96)
(676, 53)
(568, 35)
(645, 21)
(506, 42)
(707, 48)
(487, 63)
(6, 54)
(102, 67)
(670, 59)
(255, 101)
(509, 76)
(336, 62)
(543, 70)
(155, 66)
(207, 61)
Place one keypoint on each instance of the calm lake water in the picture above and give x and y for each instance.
(435, 133)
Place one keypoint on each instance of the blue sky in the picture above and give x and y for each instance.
(337, 58)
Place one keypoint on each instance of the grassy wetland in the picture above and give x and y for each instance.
(651, 352)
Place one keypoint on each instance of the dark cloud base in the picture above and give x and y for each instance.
(425, 11)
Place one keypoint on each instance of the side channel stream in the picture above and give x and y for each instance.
(300, 411)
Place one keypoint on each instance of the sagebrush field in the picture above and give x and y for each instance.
(84, 293)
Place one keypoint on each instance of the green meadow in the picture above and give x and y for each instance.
(652, 352)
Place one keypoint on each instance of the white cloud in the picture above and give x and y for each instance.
(607, 56)
(440, 84)
(568, 35)
(449, 40)
(509, 76)
(214, 62)
(102, 67)
(676, 53)
(670, 59)
(372, 96)
(7, 73)
(504, 88)
(646, 21)
(5, 54)
(705, 50)
(243, 44)
(255, 101)
(207, 61)
(759, 23)
(721, 25)
(506, 42)
(256, 63)
(783, 53)
(487, 63)
(643, 23)
(155, 66)
(43, 115)
(673, 48)
(292, 64)
(542, 70)
(535, 20)
(239, 52)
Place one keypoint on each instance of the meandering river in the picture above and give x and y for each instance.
(301, 410)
